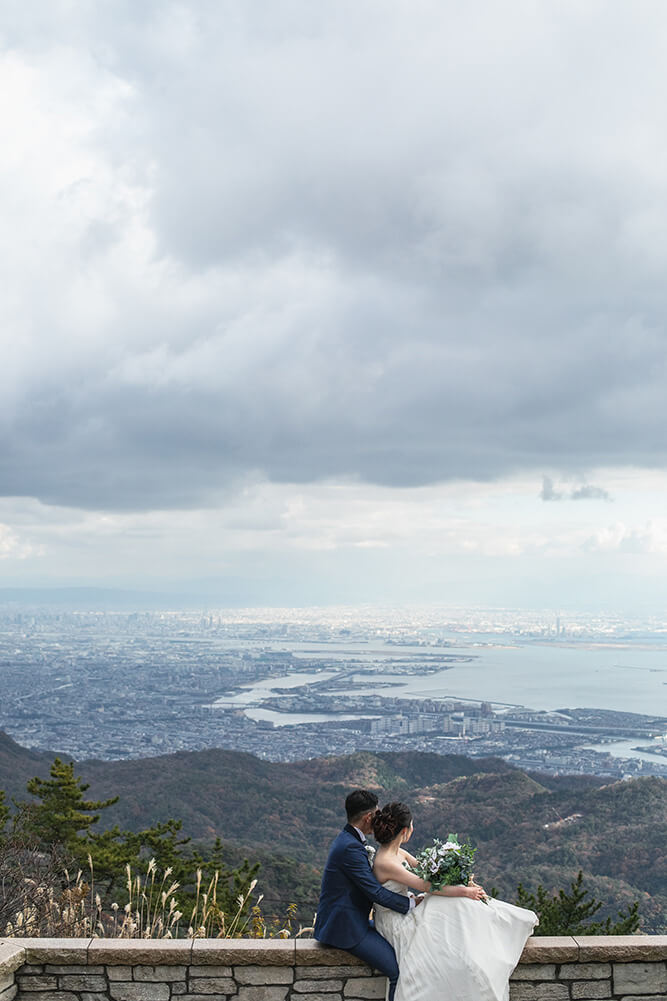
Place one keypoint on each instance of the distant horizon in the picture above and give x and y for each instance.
(102, 597)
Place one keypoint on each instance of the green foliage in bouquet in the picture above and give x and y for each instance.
(446, 863)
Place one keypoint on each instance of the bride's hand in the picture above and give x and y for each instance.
(474, 892)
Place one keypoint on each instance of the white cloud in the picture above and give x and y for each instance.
(493, 520)
(13, 548)
(647, 539)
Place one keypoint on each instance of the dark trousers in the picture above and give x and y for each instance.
(377, 952)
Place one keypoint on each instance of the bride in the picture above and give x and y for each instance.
(454, 945)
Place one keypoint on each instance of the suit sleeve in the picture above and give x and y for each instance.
(356, 868)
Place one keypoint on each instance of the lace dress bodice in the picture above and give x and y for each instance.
(396, 887)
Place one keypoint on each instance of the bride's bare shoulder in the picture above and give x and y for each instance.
(382, 867)
(391, 867)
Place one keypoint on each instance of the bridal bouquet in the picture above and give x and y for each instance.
(447, 863)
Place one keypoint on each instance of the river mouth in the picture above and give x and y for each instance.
(626, 749)
(365, 679)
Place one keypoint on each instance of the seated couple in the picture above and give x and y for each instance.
(453, 944)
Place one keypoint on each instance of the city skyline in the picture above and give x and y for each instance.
(335, 303)
(296, 683)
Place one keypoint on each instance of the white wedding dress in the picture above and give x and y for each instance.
(454, 948)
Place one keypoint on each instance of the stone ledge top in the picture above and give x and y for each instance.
(548, 949)
(309, 952)
(12, 956)
(139, 952)
(622, 948)
(243, 951)
(300, 952)
(59, 951)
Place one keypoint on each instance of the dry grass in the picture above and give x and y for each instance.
(72, 908)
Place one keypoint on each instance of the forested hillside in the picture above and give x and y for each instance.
(528, 828)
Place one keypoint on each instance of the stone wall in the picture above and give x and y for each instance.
(628, 968)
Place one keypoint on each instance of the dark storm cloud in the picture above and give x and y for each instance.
(403, 244)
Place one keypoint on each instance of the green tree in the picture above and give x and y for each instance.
(62, 819)
(570, 913)
(63, 816)
(4, 816)
(233, 882)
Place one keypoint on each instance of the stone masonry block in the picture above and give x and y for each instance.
(119, 973)
(7, 981)
(76, 982)
(331, 972)
(179, 988)
(585, 971)
(37, 982)
(93, 995)
(166, 974)
(209, 971)
(325, 986)
(257, 993)
(644, 997)
(34, 968)
(215, 985)
(263, 974)
(373, 987)
(9, 993)
(535, 971)
(592, 989)
(640, 978)
(539, 992)
(139, 992)
(204, 997)
(322, 997)
(58, 996)
(73, 968)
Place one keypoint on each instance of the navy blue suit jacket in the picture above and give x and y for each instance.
(349, 888)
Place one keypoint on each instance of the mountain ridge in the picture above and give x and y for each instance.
(528, 828)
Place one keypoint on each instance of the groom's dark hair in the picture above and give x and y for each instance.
(359, 802)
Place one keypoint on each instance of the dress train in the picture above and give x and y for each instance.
(455, 948)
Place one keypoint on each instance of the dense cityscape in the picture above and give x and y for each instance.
(292, 684)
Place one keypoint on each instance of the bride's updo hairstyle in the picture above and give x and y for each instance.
(390, 821)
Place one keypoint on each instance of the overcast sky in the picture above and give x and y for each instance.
(336, 300)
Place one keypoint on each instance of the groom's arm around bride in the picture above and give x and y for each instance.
(349, 889)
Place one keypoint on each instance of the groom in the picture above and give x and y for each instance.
(349, 889)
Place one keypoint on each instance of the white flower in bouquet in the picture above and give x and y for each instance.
(448, 863)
